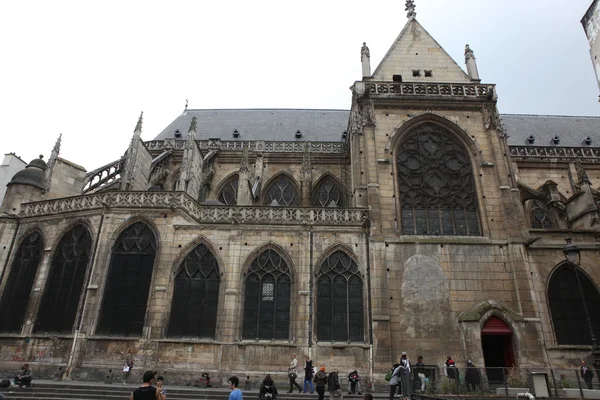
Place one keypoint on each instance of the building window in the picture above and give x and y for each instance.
(65, 282)
(128, 282)
(196, 295)
(436, 185)
(267, 298)
(339, 300)
(540, 216)
(327, 194)
(566, 306)
(228, 195)
(17, 290)
(282, 192)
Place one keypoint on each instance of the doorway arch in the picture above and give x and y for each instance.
(497, 345)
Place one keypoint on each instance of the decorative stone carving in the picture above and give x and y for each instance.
(582, 176)
(534, 153)
(128, 176)
(52, 161)
(369, 113)
(471, 64)
(438, 90)
(306, 169)
(365, 59)
(262, 146)
(491, 119)
(201, 213)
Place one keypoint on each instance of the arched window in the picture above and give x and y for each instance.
(436, 185)
(228, 194)
(569, 288)
(339, 300)
(540, 216)
(128, 282)
(17, 290)
(65, 282)
(283, 192)
(196, 295)
(327, 193)
(267, 298)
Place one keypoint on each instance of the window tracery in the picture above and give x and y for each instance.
(128, 282)
(228, 194)
(281, 192)
(340, 300)
(540, 216)
(196, 295)
(267, 298)
(436, 185)
(327, 194)
(60, 301)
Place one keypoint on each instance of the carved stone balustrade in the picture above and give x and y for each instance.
(439, 90)
(537, 153)
(257, 146)
(201, 213)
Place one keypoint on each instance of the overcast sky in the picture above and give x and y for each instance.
(86, 69)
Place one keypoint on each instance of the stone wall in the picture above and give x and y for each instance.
(67, 179)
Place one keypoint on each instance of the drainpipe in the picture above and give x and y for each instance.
(82, 299)
(310, 295)
(369, 308)
(12, 243)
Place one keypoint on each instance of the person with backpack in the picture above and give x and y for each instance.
(335, 390)
(320, 381)
(393, 374)
(354, 382)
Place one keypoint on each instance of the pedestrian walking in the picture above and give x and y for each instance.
(308, 374)
(293, 374)
(128, 366)
(394, 380)
(320, 381)
(586, 374)
(335, 389)
(236, 394)
(421, 372)
(405, 374)
(472, 378)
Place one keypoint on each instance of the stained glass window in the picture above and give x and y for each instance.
(128, 282)
(339, 300)
(196, 295)
(283, 192)
(327, 193)
(267, 298)
(229, 192)
(436, 185)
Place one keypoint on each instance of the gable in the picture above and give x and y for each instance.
(416, 49)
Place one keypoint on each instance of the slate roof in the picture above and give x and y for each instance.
(262, 124)
(328, 125)
(571, 130)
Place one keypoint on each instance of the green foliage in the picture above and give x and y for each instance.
(448, 386)
(566, 383)
(517, 378)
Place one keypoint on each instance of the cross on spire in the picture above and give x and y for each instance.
(410, 7)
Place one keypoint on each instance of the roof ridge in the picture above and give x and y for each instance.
(551, 116)
(266, 109)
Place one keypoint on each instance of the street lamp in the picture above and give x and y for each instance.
(573, 256)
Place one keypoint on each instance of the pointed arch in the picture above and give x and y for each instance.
(228, 189)
(17, 290)
(283, 189)
(128, 282)
(65, 281)
(326, 191)
(435, 178)
(267, 295)
(540, 216)
(195, 299)
(569, 291)
(340, 299)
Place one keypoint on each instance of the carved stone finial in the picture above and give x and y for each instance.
(306, 169)
(410, 7)
(471, 64)
(138, 126)
(186, 103)
(365, 59)
(245, 156)
(582, 176)
(193, 125)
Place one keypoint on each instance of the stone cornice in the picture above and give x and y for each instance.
(539, 153)
(258, 146)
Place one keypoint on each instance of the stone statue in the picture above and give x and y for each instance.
(410, 7)
(468, 52)
(365, 59)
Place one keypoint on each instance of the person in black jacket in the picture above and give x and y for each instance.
(308, 375)
(267, 389)
(333, 381)
(472, 378)
(586, 374)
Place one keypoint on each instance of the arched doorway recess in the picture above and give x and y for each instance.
(497, 345)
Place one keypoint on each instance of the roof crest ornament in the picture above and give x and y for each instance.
(410, 7)
(193, 125)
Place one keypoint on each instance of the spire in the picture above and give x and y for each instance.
(52, 161)
(410, 7)
(138, 127)
(471, 64)
(365, 59)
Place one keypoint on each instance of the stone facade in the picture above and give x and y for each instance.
(426, 291)
(591, 25)
(11, 164)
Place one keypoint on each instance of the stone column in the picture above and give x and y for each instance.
(471, 64)
(244, 197)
